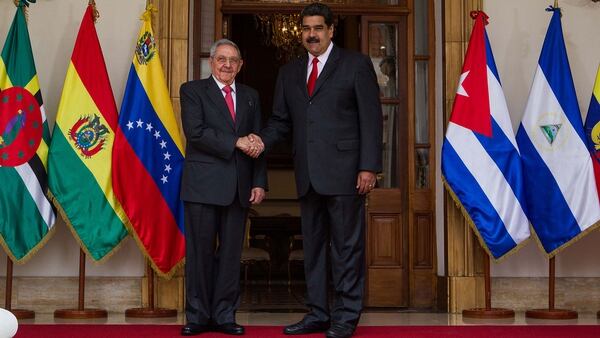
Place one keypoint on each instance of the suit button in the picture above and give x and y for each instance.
(309, 102)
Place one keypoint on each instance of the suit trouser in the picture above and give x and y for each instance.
(339, 221)
(212, 273)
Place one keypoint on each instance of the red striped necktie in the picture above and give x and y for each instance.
(312, 79)
(229, 100)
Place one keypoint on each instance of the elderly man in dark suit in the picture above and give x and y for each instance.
(219, 184)
(329, 101)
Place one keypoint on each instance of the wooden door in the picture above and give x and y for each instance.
(383, 39)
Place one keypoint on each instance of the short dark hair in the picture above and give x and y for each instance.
(317, 8)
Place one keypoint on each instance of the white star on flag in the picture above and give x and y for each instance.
(163, 144)
(167, 156)
(461, 90)
(157, 134)
(164, 179)
(149, 126)
(168, 168)
(129, 125)
(140, 123)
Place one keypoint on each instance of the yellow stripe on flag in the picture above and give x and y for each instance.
(156, 89)
(4, 79)
(77, 103)
(597, 86)
(33, 86)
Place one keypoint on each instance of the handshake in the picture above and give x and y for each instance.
(252, 145)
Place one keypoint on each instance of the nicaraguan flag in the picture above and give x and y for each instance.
(480, 158)
(559, 175)
(592, 129)
(148, 158)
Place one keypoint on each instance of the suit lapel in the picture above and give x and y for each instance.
(242, 102)
(330, 66)
(302, 73)
(214, 93)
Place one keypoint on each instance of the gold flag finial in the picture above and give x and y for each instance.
(95, 13)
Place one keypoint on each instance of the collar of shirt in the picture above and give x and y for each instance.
(322, 59)
(221, 85)
(233, 91)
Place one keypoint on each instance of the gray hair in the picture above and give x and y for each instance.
(222, 42)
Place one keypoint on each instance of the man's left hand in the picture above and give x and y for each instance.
(365, 182)
(257, 195)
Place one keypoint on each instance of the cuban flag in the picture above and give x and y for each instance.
(148, 158)
(559, 174)
(480, 158)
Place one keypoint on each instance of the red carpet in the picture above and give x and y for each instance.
(166, 331)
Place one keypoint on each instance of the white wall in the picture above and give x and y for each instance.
(516, 31)
(53, 27)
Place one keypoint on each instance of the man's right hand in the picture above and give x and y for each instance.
(251, 145)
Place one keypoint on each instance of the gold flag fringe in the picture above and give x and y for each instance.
(67, 220)
(169, 274)
(476, 231)
(31, 252)
(566, 244)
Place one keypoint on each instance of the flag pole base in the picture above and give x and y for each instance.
(147, 312)
(492, 313)
(551, 314)
(80, 314)
(23, 314)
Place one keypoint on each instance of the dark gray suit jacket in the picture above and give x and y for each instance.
(337, 131)
(214, 169)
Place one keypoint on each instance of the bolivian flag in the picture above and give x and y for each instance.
(79, 164)
(148, 158)
(26, 215)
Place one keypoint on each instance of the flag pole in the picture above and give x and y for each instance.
(19, 313)
(551, 312)
(150, 311)
(81, 312)
(488, 312)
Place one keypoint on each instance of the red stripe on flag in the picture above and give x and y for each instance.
(89, 62)
(150, 216)
(472, 102)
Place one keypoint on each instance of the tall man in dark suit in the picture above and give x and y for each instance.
(329, 100)
(219, 183)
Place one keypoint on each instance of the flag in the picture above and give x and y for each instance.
(79, 163)
(26, 214)
(148, 158)
(592, 129)
(481, 167)
(559, 174)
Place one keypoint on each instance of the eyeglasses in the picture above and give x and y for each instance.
(223, 60)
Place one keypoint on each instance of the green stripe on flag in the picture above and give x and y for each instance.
(92, 218)
(17, 53)
(21, 225)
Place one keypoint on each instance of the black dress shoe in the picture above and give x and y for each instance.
(340, 330)
(230, 328)
(305, 327)
(191, 329)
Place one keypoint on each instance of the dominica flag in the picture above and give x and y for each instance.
(481, 166)
(148, 158)
(592, 128)
(79, 164)
(559, 173)
(26, 214)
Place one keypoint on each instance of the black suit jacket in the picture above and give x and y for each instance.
(337, 131)
(214, 169)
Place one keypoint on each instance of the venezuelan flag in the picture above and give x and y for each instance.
(79, 163)
(592, 129)
(148, 158)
